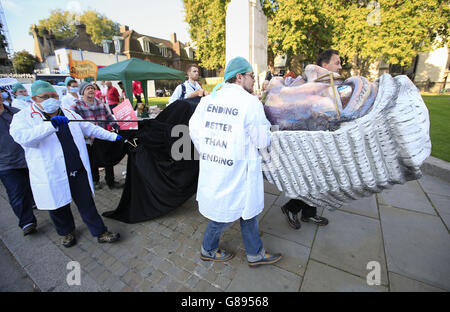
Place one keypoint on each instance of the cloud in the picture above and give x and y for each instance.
(13, 7)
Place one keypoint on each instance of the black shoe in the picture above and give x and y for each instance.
(108, 237)
(97, 186)
(317, 220)
(292, 218)
(30, 229)
(69, 240)
(115, 185)
(267, 259)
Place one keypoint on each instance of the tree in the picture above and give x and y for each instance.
(24, 62)
(399, 31)
(298, 27)
(364, 30)
(206, 21)
(99, 26)
(63, 25)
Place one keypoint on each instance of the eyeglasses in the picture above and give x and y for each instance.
(251, 76)
(46, 97)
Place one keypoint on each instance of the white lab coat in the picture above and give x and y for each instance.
(68, 100)
(20, 104)
(44, 154)
(230, 184)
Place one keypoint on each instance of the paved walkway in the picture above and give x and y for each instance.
(405, 230)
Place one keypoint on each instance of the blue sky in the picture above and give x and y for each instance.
(157, 18)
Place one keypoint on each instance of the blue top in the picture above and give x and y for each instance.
(11, 153)
(70, 150)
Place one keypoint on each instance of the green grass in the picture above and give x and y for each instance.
(208, 87)
(439, 109)
(161, 102)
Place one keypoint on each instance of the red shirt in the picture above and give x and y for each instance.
(113, 96)
(137, 87)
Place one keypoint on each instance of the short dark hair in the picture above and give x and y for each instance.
(325, 56)
(188, 68)
(70, 82)
(231, 80)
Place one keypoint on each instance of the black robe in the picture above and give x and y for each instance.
(157, 184)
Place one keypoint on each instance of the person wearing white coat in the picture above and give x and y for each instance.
(227, 128)
(21, 97)
(58, 162)
(72, 93)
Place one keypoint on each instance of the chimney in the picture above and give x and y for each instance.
(173, 38)
(124, 28)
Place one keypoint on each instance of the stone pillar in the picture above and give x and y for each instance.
(246, 35)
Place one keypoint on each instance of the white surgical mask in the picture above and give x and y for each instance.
(26, 98)
(74, 89)
(51, 105)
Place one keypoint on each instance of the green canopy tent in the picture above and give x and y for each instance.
(136, 69)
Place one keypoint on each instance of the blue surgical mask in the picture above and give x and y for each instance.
(51, 105)
(26, 98)
(74, 89)
(5, 95)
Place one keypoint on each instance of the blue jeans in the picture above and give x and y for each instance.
(17, 184)
(250, 236)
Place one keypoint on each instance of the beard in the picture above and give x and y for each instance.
(249, 90)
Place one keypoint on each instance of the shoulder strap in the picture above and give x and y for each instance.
(183, 91)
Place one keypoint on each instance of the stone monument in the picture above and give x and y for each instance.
(246, 35)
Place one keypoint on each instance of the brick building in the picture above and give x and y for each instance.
(129, 43)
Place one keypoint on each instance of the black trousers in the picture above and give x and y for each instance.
(296, 205)
(82, 196)
(109, 170)
(17, 184)
(138, 98)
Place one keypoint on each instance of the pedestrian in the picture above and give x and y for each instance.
(227, 129)
(123, 95)
(58, 162)
(90, 108)
(6, 97)
(190, 88)
(112, 95)
(329, 60)
(72, 93)
(98, 92)
(21, 97)
(104, 89)
(137, 91)
(14, 173)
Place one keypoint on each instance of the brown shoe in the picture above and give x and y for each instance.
(219, 256)
(108, 237)
(267, 259)
(69, 240)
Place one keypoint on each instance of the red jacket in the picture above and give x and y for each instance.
(137, 87)
(113, 96)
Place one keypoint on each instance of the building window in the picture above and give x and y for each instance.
(118, 44)
(145, 44)
(164, 52)
(106, 46)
